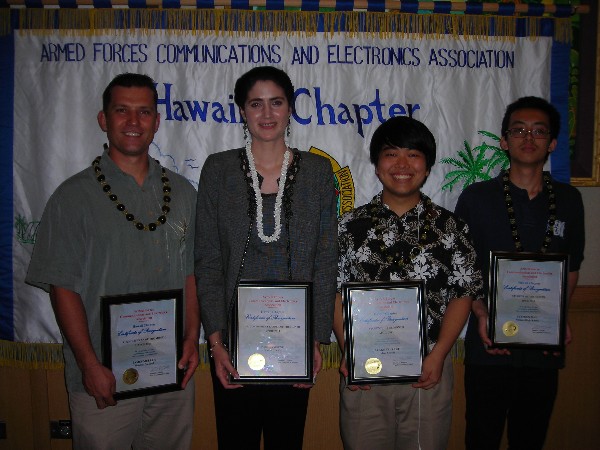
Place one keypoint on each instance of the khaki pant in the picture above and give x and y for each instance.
(397, 416)
(161, 422)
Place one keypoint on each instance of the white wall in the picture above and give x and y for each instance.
(590, 269)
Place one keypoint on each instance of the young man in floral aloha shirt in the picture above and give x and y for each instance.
(402, 235)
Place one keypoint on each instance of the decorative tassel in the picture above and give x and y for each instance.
(263, 23)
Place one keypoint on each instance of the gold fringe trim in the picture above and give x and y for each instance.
(4, 21)
(49, 356)
(458, 351)
(204, 364)
(24, 355)
(251, 23)
(332, 356)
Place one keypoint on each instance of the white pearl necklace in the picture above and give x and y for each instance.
(278, 199)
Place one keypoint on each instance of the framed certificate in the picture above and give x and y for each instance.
(271, 337)
(528, 300)
(142, 341)
(385, 331)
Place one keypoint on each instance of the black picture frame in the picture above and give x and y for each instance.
(527, 300)
(144, 333)
(271, 333)
(380, 318)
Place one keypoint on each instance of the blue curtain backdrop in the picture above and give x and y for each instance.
(7, 61)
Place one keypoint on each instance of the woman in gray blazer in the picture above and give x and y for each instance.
(268, 212)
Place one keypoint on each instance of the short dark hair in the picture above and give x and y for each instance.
(533, 103)
(403, 132)
(263, 73)
(129, 80)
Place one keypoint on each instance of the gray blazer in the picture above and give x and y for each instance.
(222, 224)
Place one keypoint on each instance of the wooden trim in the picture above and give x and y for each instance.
(586, 298)
(585, 165)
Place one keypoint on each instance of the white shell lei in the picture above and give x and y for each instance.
(278, 199)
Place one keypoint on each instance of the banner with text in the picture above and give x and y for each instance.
(346, 85)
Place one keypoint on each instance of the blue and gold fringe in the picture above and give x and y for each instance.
(74, 21)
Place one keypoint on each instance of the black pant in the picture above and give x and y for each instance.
(279, 412)
(523, 397)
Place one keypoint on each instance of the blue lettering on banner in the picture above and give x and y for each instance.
(324, 113)
(218, 54)
(333, 54)
(355, 113)
(194, 110)
(473, 59)
(369, 55)
(308, 54)
(120, 53)
(62, 52)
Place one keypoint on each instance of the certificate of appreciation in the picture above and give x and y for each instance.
(527, 300)
(271, 334)
(141, 341)
(385, 331)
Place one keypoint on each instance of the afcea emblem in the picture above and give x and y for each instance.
(344, 186)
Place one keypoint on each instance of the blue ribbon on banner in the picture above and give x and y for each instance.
(506, 9)
(205, 4)
(473, 8)
(409, 6)
(240, 4)
(33, 4)
(136, 3)
(275, 5)
(310, 5)
(563, 11)
(171, 4)
(442, 7)
(376, 5)
(535, 10)
(102, 4)
(313, 5)
(344, 5)
(67, 3)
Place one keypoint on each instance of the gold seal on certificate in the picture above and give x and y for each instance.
(373, 366)
(130, 376)
(510, 328)
(256, 361)
(527, 300)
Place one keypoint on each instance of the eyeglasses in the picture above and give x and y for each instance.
(521, 133)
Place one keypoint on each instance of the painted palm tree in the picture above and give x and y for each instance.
(26, 231)
(475, 164)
